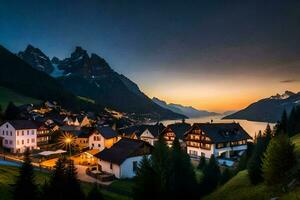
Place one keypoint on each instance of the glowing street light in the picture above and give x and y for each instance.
(66, 141)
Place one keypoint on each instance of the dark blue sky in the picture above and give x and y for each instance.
(206, 50)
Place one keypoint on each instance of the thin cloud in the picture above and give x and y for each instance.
(289, 81)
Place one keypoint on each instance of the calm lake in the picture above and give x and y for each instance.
(251, 127)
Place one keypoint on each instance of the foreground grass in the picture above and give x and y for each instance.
(7, 95)
(239, 187)
(8, 175)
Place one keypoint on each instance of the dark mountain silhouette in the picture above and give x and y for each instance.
(37, 59)
(91, 76)
(268, 109)
(22, 78)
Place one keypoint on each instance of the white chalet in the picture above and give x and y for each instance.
(18, 135)
(123, 158)
(103, 137)
(223, 140)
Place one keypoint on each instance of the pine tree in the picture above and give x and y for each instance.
(182, 181)
(25, 187)
(279, 159)
(255, 162)
(72, 187)
(57, 183)
(145, 182)
(95, 193)
(268, 134)
(283, 124)
(202, 162)
(160, 162)
(225, 176)
(12, 112)
(211, 176)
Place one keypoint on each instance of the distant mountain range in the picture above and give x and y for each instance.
(92, 77)
(268, 109)
(188, 111)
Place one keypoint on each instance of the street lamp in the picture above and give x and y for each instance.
(68, 143)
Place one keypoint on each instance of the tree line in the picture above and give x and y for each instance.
(273, 159)
(169, 174)
(63, 183)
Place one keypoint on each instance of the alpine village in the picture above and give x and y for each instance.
(76, 129)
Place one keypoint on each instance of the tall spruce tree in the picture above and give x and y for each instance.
(182, 181)
(282, 126)
(72, 187)
(225, 176)
(160, 162)
(268, 134)
(95, 193)
(211, 176)
(202, 162)
(56, 189)
(255, 162)
(25, 187)
(12, 111)
(145, 182)
(278, 160)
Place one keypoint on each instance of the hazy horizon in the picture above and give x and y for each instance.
(211, 55)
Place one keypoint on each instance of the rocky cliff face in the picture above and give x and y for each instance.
(37, 59)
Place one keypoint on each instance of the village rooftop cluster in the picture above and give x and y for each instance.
(109, 149)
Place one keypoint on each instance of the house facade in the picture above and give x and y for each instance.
(103, 137)
(18, 135)
(43, 134)
(123, 158)
(169, 136)
(223, 140)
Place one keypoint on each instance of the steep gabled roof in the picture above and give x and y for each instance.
(107, 132)
(223, 132)
(155, 129)
(23, 124)
(180, 129)
(124, 149)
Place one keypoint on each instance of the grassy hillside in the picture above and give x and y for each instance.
(8, 175)
(239, 187)
(7, 95)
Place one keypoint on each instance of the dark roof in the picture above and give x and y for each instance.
(107, 132)
(68, 128)
(124, 149)
(23, 124)
(223, 132)
(83, 133)
(180, 129)
(155, 129)
(130, 130)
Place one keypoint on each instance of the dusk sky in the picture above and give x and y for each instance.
(214, 55)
